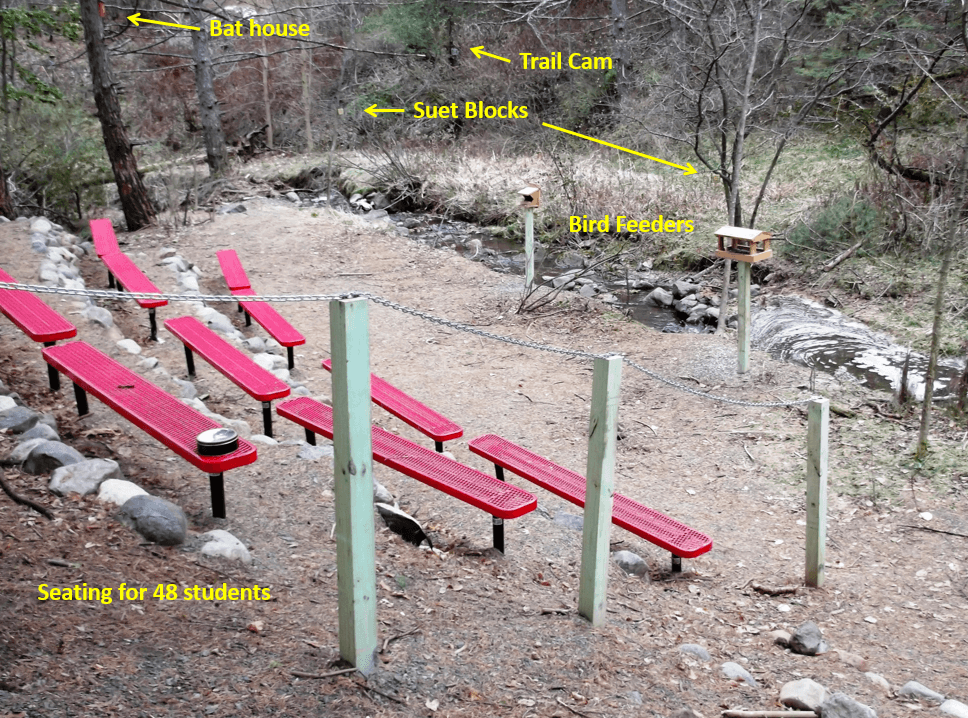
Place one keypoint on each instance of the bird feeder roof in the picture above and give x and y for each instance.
(750, 235)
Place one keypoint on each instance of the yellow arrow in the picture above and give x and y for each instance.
(373, 109)
(689, 169)
(479, 50)
(136, 18)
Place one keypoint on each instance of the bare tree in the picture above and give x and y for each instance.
(215, 150)
(137, 207)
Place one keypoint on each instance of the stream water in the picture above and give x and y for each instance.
(789, 328)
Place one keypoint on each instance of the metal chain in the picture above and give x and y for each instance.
(458, 326)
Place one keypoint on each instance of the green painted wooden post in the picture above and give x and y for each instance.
(819, 414)
(353, 469)
(599, 488)
(743, 301)
(528, 249)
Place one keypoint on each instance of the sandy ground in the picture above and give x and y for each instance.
(473, 633)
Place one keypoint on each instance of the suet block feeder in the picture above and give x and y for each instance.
(743, 245)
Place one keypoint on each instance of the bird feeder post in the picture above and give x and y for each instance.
(353, 478)
(530, 199)
(745, 247)
(818, 418)
(599, 489)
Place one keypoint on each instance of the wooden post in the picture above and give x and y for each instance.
(819, 414)
(528, 249)
(743, 302)
(599, 488)
(353, 469)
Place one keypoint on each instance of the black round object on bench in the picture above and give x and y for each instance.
(217, 442)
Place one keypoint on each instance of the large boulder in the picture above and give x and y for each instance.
(40, 431)
(808, 640)
(682, 289)
(22, 450)
(84, 477)
(50, 455)
(660, 297)
(118, 491)
(155, 518)
(804, 695)
(19, 418)
(631, 563)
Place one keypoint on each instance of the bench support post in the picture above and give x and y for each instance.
(248, 319)
(190, 362)
(599, 488)
(52, 376)
(80, 396)
(676, 564)
(353, 469)
(267, 418)
(497, 524)
(439, 448)
(310, 437)
(291, 357)
(218, 495)
(111, 282)
(154, 324)
(817, 423)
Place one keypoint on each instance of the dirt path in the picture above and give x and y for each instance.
(475, 634)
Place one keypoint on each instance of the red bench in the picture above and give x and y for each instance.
(406, 408)
(102, 233)
(129, 277)
(236, 366)
(145, 405)
(665, 532)
(35, 319)
(501, 500)
(270, 320)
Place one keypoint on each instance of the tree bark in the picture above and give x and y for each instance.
(620, 47)
(266, 103)
(6, 203)
(208, 111)
(138, 211)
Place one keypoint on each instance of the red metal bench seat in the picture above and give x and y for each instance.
(232, 270)
(501, 500)
(273, 322)
(665, 532)
(102, 233)
(407, 409)
(35, 319)
(128, 276)
(255, 381)
(148, 407)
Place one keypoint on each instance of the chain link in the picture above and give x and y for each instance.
(457, 326)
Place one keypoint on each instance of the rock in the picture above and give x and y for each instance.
(587, 290)
(6, 403)
(878, 680)
(83, 477)
(155, 518)
(841, 706)
(148, 363)
(18, 419)
(188, 282)
(569, 521)
(697, 314)
(263, 439)
(176, 264)
(660, 297)
(696, 650)
(379, 201)
(381, 495)
(130, 346)
(234, 208)
(804, 695)
(225, 545)
(955, 708)
(808, 640)
(609, 298)
(50, 455)
(315, 453)
(186, 389)
(270, 362)
(98, 315)
(913, 689)
(712, 313)
(274, 347)
(41, 225)
(292, 197)
(852, 659)
(40, 431)
(22, 450)
(685, 305)
(256, 345)
(118, 491)
(683, 288)
(635, 698)
(631, 563)
(685, 713)
(735, 672)
(781, 638)
(166, 252)
(563, 281)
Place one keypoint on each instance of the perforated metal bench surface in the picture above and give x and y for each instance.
(235, 276)
(407, 409)
(251, 378)
(34, 317)
(501, 500)
(105, 240)
(270, 320)
(127, 273)
(652, 525)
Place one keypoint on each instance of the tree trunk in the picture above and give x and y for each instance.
(308, 96)
(207, 103)
(138, 211)
(620, 47)
(6, 203)
(265, 93)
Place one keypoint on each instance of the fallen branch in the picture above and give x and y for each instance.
(303, 674)
(773, 590)
(937, 531)
(17, 499)
(565, 705)
(769, 714)
(389, 639)
(846, 254)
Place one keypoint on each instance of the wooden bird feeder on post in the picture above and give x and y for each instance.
(530, 198)
(743, 246)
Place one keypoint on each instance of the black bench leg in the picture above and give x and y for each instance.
(240, 307)
(218, 495)
(310, 438)
(267, 417)
(498, 527)
(248, 319)
(292, 359)
(81, 397)
(111, 282)
(52, 374)
(676, 564)
(190, 361)
(439, 446)
(154, 324)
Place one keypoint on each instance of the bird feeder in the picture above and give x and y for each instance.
(743, 245)
(530, 196)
